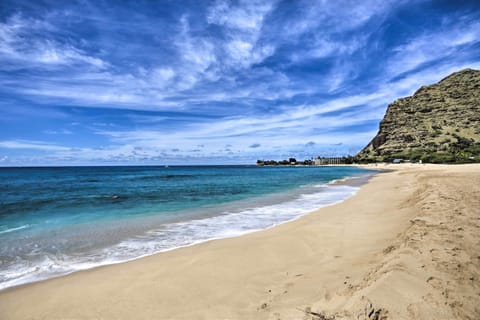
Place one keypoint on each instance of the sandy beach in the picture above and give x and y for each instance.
(406, 246)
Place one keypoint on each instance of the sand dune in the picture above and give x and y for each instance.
(406, 246)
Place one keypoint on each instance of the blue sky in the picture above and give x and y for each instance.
(196, 82)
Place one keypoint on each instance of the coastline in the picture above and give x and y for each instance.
(191, 227)
(366, 252)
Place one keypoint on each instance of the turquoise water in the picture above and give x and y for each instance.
(55, 221)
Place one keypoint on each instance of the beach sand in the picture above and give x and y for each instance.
(406, 246)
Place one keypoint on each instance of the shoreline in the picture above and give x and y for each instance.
(364, 252)
(270, 202)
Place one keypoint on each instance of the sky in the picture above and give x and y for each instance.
(215, 82)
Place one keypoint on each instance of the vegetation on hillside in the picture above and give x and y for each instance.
(440, 123)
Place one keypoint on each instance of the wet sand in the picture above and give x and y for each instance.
(406, 246)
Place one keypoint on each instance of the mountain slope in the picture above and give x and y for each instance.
(439, 123)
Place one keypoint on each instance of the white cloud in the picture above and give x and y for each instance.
(239, 50)
(408, 85)
(432, 46)
(330, 17)
(242, 25)
(163, 74)
(247, 16)
(285, 129)
(63, 131)
(323, 47)
(52, 53)
(200, 60)
(18, 42)
(209, 69)
(33, 145)
(92, 96)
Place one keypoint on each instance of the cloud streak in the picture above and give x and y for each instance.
(242, 79)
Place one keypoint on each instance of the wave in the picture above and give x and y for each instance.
(163, 177)
(229, 223)
(14, 229)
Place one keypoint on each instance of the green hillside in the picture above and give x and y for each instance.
(439, 123)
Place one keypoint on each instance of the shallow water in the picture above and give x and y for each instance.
(54, 221)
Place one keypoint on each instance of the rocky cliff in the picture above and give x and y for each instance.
(439, 123)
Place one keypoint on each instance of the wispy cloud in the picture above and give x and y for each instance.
(439, 46)
(22, 43)
(63, 131)
(241, 79)
(242, 24)
(32, 145)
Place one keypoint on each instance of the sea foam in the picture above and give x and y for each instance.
(168, 236)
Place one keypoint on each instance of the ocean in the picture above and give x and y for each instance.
(57, 220)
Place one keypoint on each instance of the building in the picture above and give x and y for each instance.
(320, 161)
